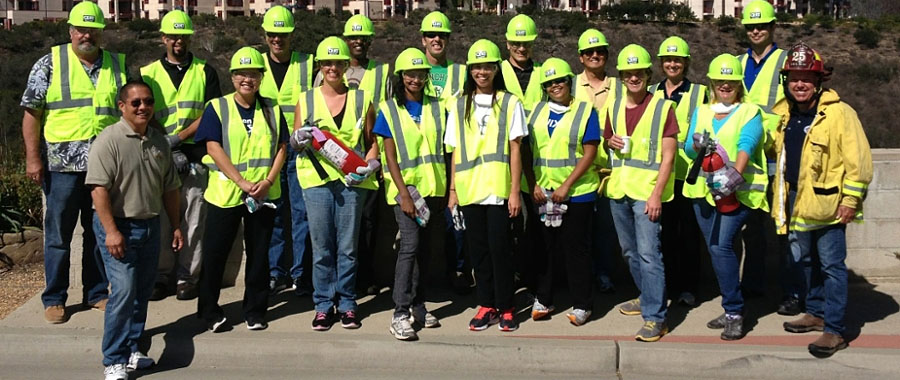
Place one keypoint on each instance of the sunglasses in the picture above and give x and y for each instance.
(520, 44)
(754, 27)
(554, 82)
(281, 35)
(430, 35)
(591, 52)
(176, 37)
(137, 102)
(420, 75)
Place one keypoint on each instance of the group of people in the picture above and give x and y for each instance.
(530, 163)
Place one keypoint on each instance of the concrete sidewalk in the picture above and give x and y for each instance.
(604, 348)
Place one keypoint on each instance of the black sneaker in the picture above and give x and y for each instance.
(218, 326)
(160, 292)
(256, 324)
(301, 289)
(734, 327)
(718, 323)
(277, 284)
(323, 320)
(790, 306)
(485, 317)
(508, 320)
(349, 320)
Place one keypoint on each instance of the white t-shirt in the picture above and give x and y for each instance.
(484, 112)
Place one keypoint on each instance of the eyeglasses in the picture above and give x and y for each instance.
(554, 82)
(277, 35)
(592, 51)
(176, 37)
(431, 35)
(420, 75)
(86, 30)
(137, 102)
(332, 63)
(520, 44)
(251, 75)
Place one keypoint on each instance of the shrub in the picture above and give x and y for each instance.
(867, 37)
(20, 200)
(726, 23)
(785, 17)
(141, 26)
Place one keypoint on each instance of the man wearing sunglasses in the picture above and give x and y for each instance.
(131, 176)
(762, 81)
(181, 84)
(446, 78)
(521, 74)
(290, 73)
(69, 99)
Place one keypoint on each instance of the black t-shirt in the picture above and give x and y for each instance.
(279, 70)
(794, 136)
(176, 75)
(524, 75)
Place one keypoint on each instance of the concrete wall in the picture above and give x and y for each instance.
(874, 246)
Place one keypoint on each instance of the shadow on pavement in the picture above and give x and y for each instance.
(865, 304)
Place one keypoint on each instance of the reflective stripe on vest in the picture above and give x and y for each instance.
(66, 87)
(225, 118)
(186, 101)
(572, 160)
(500, 155)
(455, 82)
(404, 161)
(656, 130)
(772, 95)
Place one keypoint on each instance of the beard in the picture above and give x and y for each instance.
(87, 47)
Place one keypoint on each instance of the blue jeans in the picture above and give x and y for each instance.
(131, 279)
(793, 273)
(719, 230)
(292, 196)
(334, 211)
(67, 196)
(639, 238)
(603, 235)
(823, 252)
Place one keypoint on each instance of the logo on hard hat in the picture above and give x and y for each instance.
(755, 14)
(520, 33)
(672, 49)
(87, 18)
(593, 40)
(632, 60)
(356, 28)
(726, 71)
(178, 25)
(549, 72)
(246, 60)
(437, 24)
(481, 54)
(334, 51)
(418, 61)
(279, 24)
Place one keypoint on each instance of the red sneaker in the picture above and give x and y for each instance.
(485, 317)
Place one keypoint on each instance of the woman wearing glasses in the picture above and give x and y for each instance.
(334, 200)
(410, 130)
(485, 127)
(245, 137)
(737, 129)
(562, 146)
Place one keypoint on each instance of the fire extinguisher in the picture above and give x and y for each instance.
(338, 154)
(711, 163)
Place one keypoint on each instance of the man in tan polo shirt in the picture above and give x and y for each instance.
(131, 176)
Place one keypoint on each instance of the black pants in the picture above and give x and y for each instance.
(528, 249)
(221, 228)
(487, 240)
(570, 242)
(368, 228)
(681, 239)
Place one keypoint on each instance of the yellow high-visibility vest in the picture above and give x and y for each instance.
(533, 92)
(683, 112)
(297, 79)
(177, 108)
(554, 157)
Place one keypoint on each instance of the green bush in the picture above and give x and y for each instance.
(867, 37)
(875, 71)
(726, 23)
(142, 25)
(654, 10)
(20, 200)
(785, 17)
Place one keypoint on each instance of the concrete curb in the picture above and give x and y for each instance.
(720, 361)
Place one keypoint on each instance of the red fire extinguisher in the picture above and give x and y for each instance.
(338, 154)
(711, 163)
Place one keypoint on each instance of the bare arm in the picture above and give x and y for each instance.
(390, 156)
(115, 243)
(31, 133)
(171, 201)
(372, 152)
(654, 204)
(189, 132)
(515, 167)
(260, 189)
(452, 199)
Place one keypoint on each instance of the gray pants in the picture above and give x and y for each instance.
(417, 246)
(193, 212)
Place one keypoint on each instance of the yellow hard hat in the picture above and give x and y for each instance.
(359, 25)
(633, 57)
(411, 59)
(483, 51)
(521, 29)
(725, 67)
(176, 22)
(278, 19)
(332, 49)
(247, 58)
(758, 12)
(435, 22)
(554, 68)
(87, 14)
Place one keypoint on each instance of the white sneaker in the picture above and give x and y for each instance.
(137, 360)
(115, 372)
(539, 311)
(402, 329)
(579, 317)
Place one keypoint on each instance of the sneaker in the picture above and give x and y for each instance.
(631, 307)
(578, 317)
(55, 314)
(423, 317)
(402, 329)
(323, 320)
(790, 306)
(186, 292)
(218, 326)
(277, 284)
(349, 320)
(718, 323)
(99, 305)
(804, 324)
(508, 320)
(734, 327)
(254, 324)
(115, 372)
(539, 311)
(651, 331)
(485, 317)
(138, 360)
(301, 289)
(687, 299)
(827, 345)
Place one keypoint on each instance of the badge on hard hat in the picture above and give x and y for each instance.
(178, 25)
(520, 33)
(593, 40)
(632, 60)
(549, 72)
(356, 28)
(246, 60)
(672, 49)
(279, 24)
(726, 71)
(481, 54)
(755, 14)
(418, 61)
(87, 18)
(437, 24)
(334, 51)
